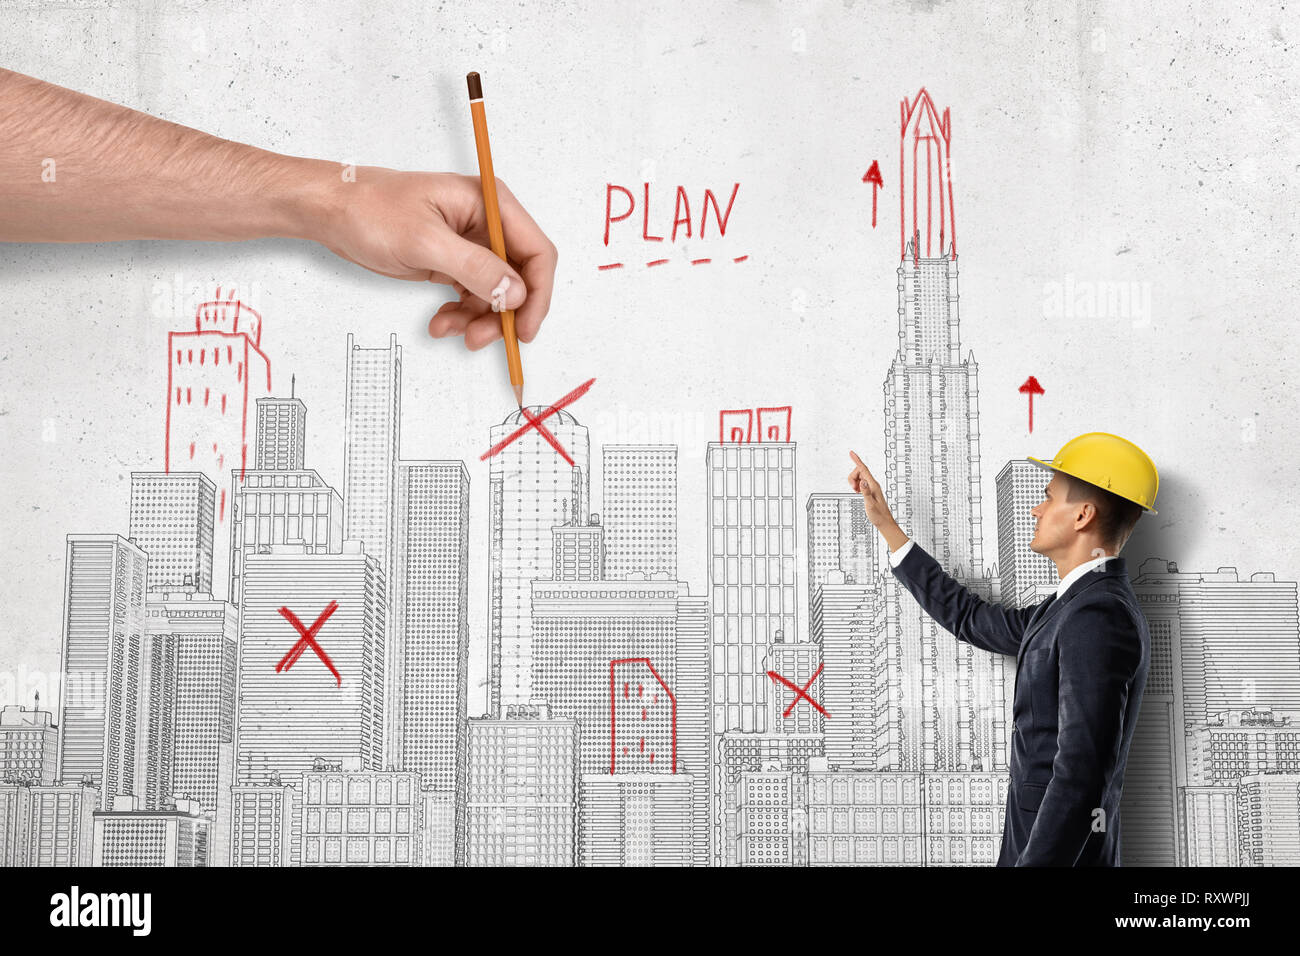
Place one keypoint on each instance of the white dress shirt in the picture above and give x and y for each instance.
(896, 556)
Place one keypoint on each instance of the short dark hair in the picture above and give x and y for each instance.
(1116, 516)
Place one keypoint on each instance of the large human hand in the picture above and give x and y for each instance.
(432, 227)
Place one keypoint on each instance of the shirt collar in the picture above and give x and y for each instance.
(1079, 572)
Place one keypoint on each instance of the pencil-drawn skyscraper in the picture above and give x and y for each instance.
(171, 521)
(1026, 577)
(946, 699)
(371, 436)
(430, 605)
(522, 794)
(281, 434)
(288, 718)
(693, 689)
(281, 507)
(203, 633)
(103, 637)
(840, 538)
(155, 752)
(751, 568)
(639, 509)
(847, 618)
(532, 489)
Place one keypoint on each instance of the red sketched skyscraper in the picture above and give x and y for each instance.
(215, 374)
(643, 719)
(925, 181)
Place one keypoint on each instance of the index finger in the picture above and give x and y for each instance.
(536, 255)
(854, 456)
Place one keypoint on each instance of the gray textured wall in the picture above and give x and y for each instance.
(1093, 143)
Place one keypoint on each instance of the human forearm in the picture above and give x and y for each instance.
(76, 168)
(895, 537)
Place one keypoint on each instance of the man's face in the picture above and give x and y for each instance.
(1055, 516)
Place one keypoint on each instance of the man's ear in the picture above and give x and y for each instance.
(1086, 513)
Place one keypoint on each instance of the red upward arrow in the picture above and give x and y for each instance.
(1031, 388)
(873, 176)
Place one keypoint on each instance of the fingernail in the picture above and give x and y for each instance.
(499, 294)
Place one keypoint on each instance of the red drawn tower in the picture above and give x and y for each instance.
(643, 719)
(215, 374)
(925, 181)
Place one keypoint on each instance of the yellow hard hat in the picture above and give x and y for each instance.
(1109, 462)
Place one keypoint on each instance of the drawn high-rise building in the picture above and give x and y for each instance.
(947, 701)
(1151, 806)
(763, 757)
(799, 662)
(1026, 576)
(171, 521)
(840, 538)
(438, 834)
(639, 509)
(356, 817)
(266, 825)
(212, 373)
(693, 689)
(430, 602)
(281, 434)
(1216, 645)
(47, 825)
(282, 507)
(29, 746)
(203, 636)
(130, 834)
(904, 818)
(103, 639)
(288, 718)
(847, 618)
(522, 799)
(579, 629)
(1212, 826)
(1225, 757)
(640, 819)
(771, 816)
(751, 568)
(532, 489)
(578, 552)
(1268, 814)
(155, 752)
(371, 450)
(1235, 640)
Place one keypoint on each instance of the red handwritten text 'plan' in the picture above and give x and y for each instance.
(622, 198)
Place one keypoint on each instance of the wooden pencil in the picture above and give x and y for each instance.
(496, 236)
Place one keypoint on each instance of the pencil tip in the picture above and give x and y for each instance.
(519, 395)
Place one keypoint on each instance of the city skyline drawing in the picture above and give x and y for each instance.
(305, 699)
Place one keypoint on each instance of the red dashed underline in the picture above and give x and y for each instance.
(659, 262)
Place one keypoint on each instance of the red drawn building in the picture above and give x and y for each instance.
(925, 181)
(736, 426)
(643, 719)
(215, 374)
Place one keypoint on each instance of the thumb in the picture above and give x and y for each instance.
(480, 270)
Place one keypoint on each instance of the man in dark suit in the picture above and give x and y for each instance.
(1081, 655)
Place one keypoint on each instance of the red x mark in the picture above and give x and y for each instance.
(799, 691)
(535, 421)
(308, 639)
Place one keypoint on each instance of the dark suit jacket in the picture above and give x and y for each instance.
(1081, 666)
